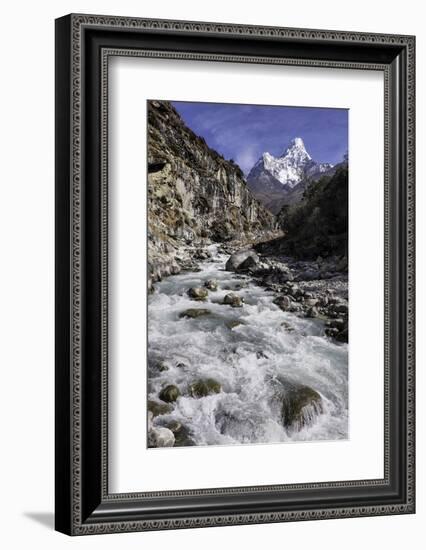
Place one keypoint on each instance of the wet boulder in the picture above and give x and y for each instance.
(343, 335)
(233, 300)
(341, 307)
(249, 264)
(169, 394)
(204, 387)
(312, 312)
(202, 254)
(181, 433)
(160, 437)
(193, 313)
(157, 366)
(292, 289)
(338, 329)
(236, 260)
(284, 302)
(198, 293)
(233, 323)
(300, 406)
(211, 284)
(157, 409)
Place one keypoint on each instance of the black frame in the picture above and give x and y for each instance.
(83, 45)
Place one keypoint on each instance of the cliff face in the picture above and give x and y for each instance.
(194, 195)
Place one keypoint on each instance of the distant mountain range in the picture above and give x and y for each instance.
(276, 181)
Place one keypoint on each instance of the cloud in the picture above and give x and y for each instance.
(246, 159)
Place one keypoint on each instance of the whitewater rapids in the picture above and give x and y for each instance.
(245, 360)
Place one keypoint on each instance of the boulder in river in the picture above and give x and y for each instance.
(300, 405)
(341, 307)
(284, 302)
(169, 394)
(343, 335)
(211, 284)
(233, 300)
(193, 313)
(338, 329)
(312, 312)
(198, 293)
(202, 254)
(248, 264)
(233, 323)
(160, 437)
(158, 409)
(181, 433)
(237, 259)
(157, 366)
(204, 387)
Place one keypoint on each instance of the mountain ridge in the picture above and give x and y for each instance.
(272, 179)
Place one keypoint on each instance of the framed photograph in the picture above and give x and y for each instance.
(234, 274)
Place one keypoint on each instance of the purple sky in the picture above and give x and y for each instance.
(244, 132)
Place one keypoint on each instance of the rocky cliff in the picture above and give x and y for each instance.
(195, 196)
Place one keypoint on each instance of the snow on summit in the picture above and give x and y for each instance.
(294, 165)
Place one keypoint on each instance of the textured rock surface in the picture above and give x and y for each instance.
(300, 404)
(160, 437)
(237, 259)
(158, 409)
(233, 300)
(195, 196)
(198, 294)
(202, 388)
(193, 313)
(169, 394)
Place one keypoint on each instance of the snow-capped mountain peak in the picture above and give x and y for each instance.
(290, 168)
(296, 148)
(272, 177)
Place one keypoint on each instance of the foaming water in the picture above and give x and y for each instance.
(247, 360)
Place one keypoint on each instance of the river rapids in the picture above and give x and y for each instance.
(247, 350)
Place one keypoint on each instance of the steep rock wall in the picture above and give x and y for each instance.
(195, 196)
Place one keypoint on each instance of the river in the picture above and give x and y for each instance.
(268, 345)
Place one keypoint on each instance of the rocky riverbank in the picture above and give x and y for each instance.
(314, 289)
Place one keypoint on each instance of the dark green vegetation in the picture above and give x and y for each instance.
(318, 224)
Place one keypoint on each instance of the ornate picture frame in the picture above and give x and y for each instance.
(84, 44)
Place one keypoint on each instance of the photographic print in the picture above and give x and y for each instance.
(247, 274)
